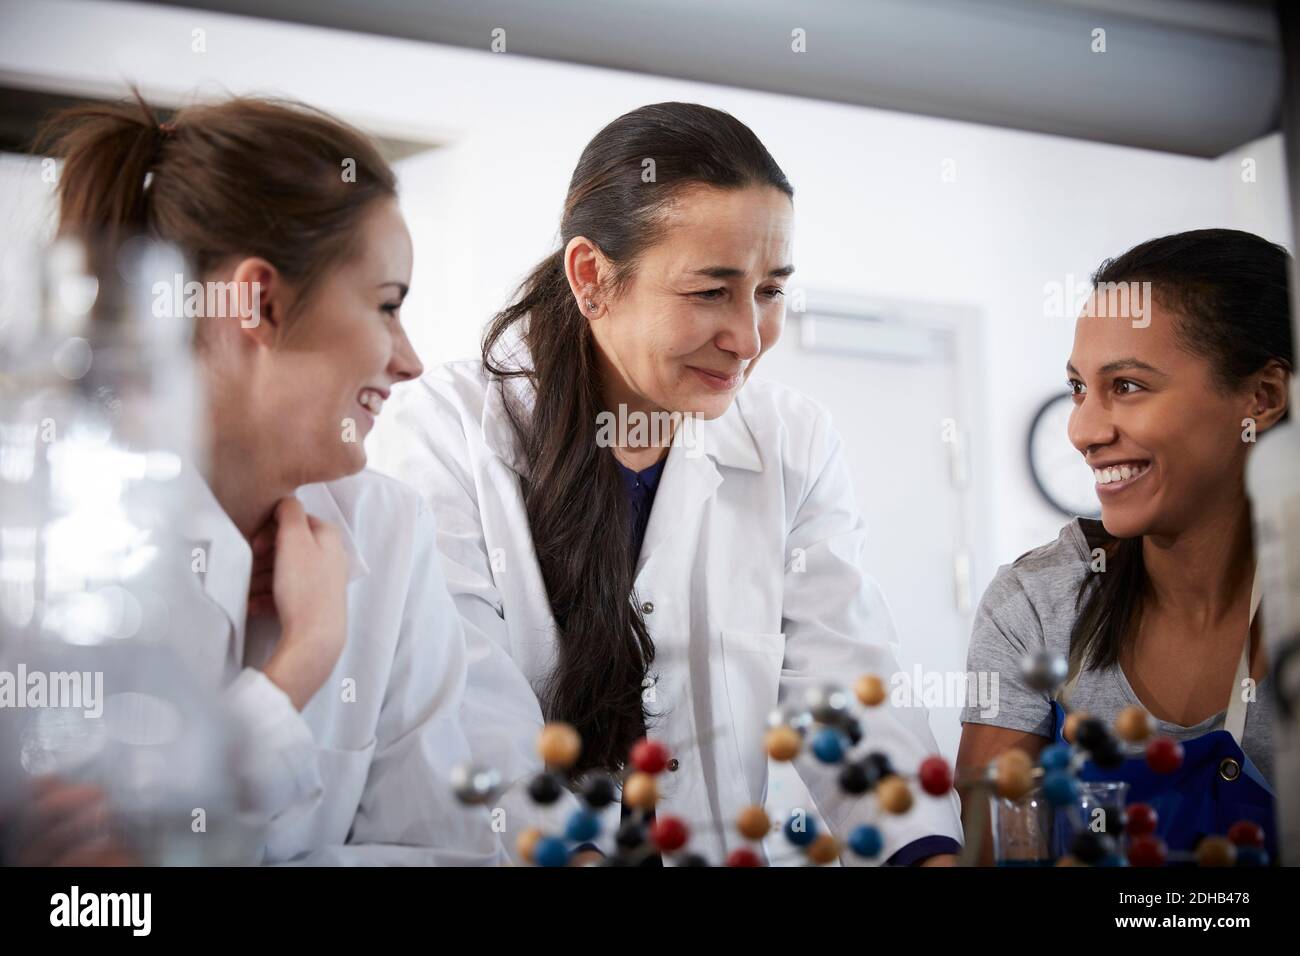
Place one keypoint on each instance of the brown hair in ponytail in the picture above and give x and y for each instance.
(576, 503)
(244, 177)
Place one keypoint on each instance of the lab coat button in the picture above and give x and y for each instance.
(647, 608)
(674, 764)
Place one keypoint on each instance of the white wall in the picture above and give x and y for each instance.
(874, 215)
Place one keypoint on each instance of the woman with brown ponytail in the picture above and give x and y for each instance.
(337, 564)
(663, 548)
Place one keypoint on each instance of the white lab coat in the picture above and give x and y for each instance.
(362, 774)
(750, 576)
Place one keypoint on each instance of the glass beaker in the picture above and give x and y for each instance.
(1021, 829)
(1099, 808)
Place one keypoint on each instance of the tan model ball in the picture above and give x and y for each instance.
(1134, 724)
(559, 745)
(1013, 774)
(824, 849)
(1216, 851)
(1072, 719)
(639, 791)
(870, 689)
(526, 842)
(753, 822)
(894, 794)
(782, 743)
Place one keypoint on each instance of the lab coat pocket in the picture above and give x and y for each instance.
(325, 819)
(343, 775)
(751, 662)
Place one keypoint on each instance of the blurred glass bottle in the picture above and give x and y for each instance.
(99, 418)
(1273, 480)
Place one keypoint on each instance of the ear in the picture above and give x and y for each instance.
(1270, 393)
(584, 265)
(263, 300)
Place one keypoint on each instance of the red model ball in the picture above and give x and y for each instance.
(1246, 833)
(669, 834)
(1164, 755)
(743, 857)
(936, 777)
(649, 756)
(1140, 819)
(1147, 851)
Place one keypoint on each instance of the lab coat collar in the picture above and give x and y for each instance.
(227, 558)
(319, 501)
(726, 439)
(223, 562)
(507, 396)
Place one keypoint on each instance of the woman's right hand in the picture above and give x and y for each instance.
(310, 591)
(67, 824)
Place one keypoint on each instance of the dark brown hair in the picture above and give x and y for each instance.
(244, 177)
(1229, 292)
(575, 499)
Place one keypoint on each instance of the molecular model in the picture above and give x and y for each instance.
(1127, 835)
(825, 728)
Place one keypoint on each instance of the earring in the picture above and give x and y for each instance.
(591, 306)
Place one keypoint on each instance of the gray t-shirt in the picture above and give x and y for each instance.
(1031, 604)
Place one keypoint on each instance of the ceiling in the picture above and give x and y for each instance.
(1197, 77)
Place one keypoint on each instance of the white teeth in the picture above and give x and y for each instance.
(1114, 473)
(371, 401)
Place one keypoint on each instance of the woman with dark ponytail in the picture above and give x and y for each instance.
(337, 566)
(1182, 360)
(664, 547)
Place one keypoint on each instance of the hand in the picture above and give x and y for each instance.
(66, 824)
(309, 588)
(261, 594)
(941, 859)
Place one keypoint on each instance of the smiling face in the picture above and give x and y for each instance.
(1161, 433)
(703, 305)
(320, 386)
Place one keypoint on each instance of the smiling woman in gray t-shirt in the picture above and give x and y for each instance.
(1181, 358)
(1032, 604)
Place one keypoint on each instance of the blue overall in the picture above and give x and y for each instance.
(1197, 799)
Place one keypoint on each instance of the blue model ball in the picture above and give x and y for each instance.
(828, 745)
(1055, 757)
(1060, 788)
(866, 841)
(800, 828)
(1251, 856)
(583, 825)
(550, 851)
